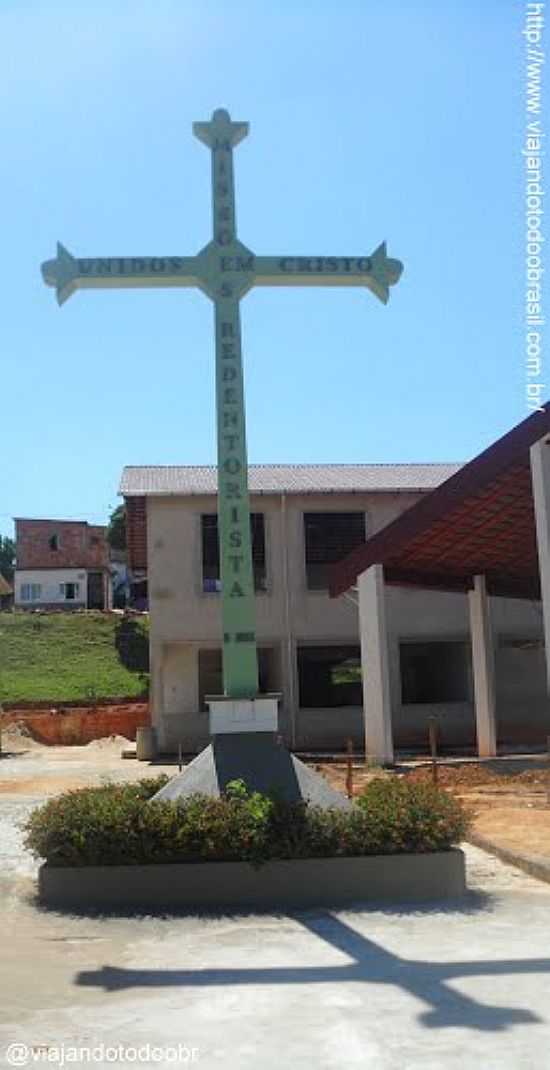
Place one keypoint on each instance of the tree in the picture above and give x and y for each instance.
(7, 557)
(116, 530)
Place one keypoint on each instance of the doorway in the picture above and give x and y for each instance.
(96, 591)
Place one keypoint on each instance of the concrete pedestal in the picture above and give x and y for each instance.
(262, 761)
(235, 716)
(245, 746)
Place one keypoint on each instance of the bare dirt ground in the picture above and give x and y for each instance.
(509, 798)
(31, 768)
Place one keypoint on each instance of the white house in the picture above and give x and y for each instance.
(61, 564)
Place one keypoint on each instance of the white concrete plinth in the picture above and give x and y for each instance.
(243, 714)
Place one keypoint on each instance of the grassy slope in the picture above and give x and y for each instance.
(64, 657)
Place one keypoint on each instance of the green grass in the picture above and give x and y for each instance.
(68, 657)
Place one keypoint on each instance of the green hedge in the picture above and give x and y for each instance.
(116, 825)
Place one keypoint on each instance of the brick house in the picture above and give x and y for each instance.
(61, 564)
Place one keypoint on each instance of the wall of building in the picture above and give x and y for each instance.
(50, 580)
(522, 699)
(78, 544)
(180, 692)
(181, 611)
(184, 620)
(434, 616)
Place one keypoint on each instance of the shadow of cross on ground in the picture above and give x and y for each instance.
(369, 964)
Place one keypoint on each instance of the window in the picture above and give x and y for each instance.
(211, 552)
(69, 591)
(434, 672)
(53, 542)
(31, 592)
(329, 676)
(328, 538)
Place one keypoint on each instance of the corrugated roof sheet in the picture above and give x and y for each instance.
(480, 522)
(287, 478)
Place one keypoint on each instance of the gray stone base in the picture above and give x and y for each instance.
(264, 764)
(284, 885)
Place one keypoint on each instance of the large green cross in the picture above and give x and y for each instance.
(225, 270)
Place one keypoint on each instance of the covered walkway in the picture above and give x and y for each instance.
(485, 532)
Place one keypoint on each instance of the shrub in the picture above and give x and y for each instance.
(91, 826)
(118, 825)
(413, 816)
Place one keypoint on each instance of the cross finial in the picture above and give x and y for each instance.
(220, 130)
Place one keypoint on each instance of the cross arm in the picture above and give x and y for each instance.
(68, 273)
(377, 272)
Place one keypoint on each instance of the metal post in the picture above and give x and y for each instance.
(432, 732)
(548, 783)
(349, 768)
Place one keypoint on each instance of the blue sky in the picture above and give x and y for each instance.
(369, 121)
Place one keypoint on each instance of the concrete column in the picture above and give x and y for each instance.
(375, 665)
(483, 658)
(288, 664)
(540, 476)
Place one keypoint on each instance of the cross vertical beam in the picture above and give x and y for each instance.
(240, 662)
(240, 659)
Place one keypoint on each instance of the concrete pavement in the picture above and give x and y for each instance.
(463, 986)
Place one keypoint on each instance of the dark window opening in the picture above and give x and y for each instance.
(329, 676)
(211, 552)
(69, 591)
(329, 537)
(211, 675)
(139, 595)
(53, 542)
(434, 672)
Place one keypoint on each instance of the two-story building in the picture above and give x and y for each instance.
(305, 518)
(61, 564)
